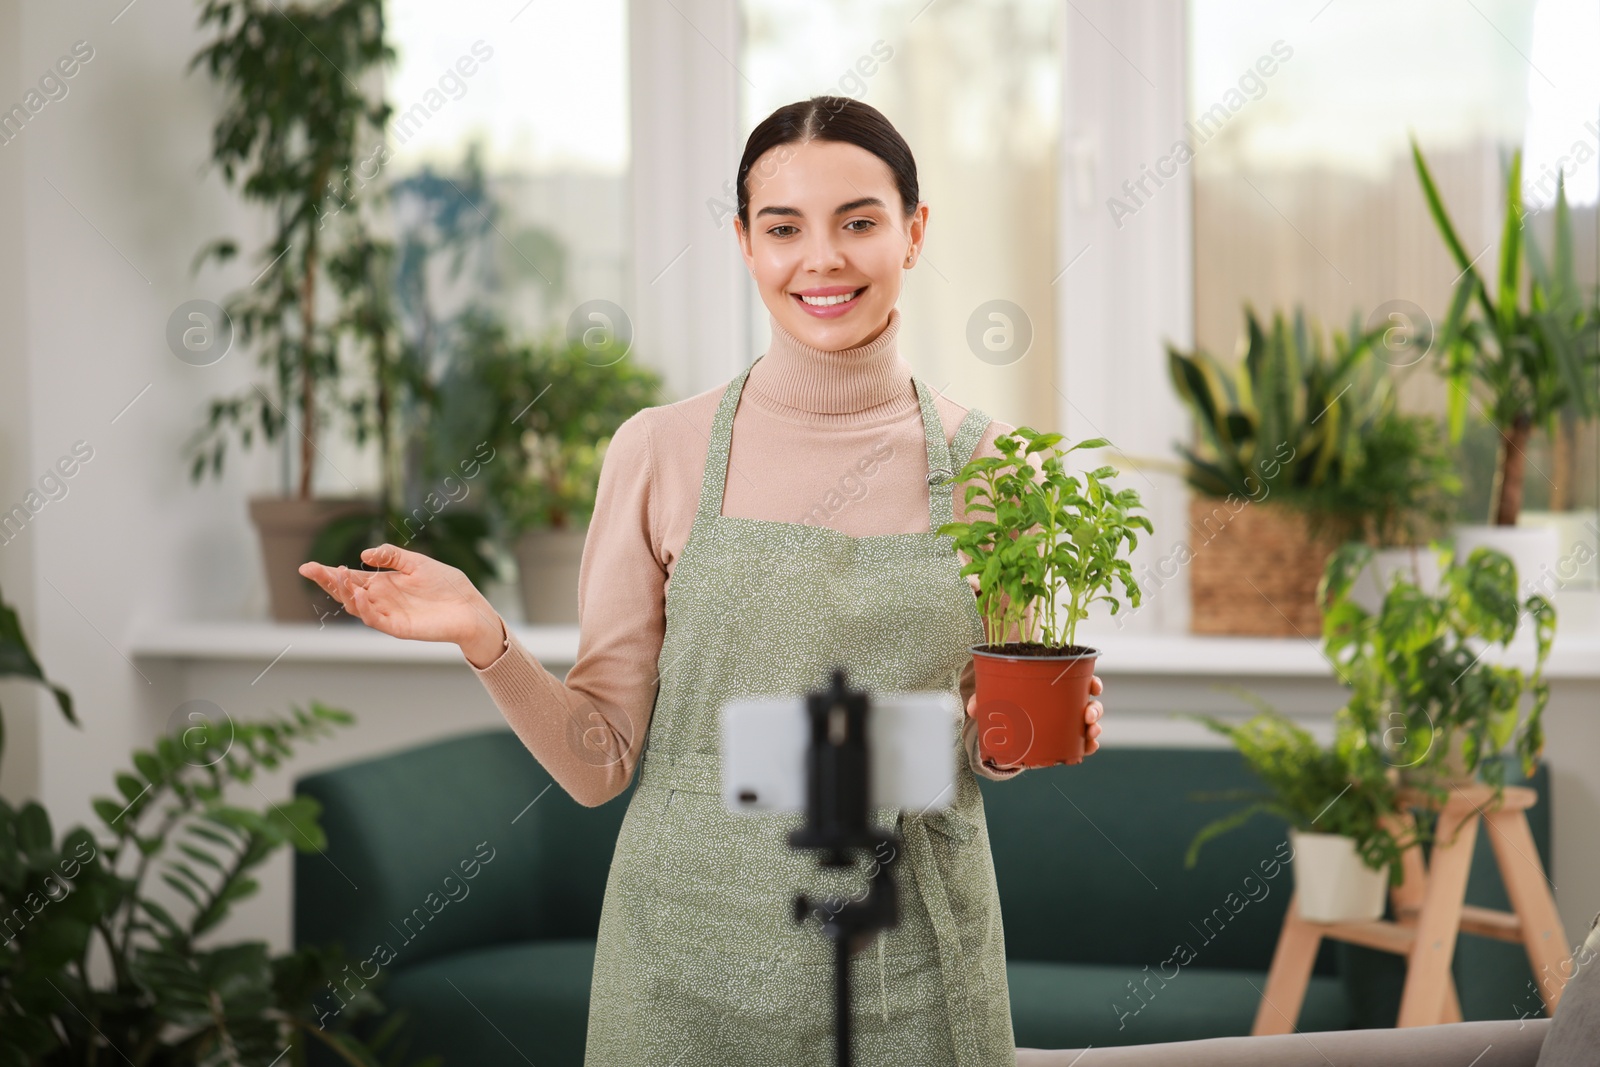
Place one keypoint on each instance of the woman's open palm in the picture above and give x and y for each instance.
(414, 597)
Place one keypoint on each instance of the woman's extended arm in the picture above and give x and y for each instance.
(588, 730)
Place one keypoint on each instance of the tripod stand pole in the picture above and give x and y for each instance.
(841, 1000)
(838, 795)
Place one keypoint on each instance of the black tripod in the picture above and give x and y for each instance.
(838, 781)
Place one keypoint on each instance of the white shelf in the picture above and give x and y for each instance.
(1575, 655)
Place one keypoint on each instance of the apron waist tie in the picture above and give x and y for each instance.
(687, 772)
(919, 857)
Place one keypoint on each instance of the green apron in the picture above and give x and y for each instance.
(699, 960)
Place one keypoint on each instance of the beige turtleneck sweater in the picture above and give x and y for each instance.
(831, 408)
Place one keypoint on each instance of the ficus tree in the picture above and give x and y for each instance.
(290, 136)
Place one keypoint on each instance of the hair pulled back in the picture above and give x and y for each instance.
(828, 118)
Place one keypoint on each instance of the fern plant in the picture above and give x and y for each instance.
(1050, 533)
(1345, 789)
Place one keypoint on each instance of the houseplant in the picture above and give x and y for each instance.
(288, 134)
(169, 994)
(548, 410)
(1341, 805)
(1281, 445)
(1424, 691)
(1532, 351)
(1049, 533)
(1403, 496)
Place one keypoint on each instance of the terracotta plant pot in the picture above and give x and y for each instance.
(287, 526)
(1030, 707)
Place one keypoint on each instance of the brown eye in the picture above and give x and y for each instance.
(852, 222)
(774, 231)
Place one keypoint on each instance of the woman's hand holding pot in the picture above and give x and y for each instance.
(415, 597)
(1091, 714)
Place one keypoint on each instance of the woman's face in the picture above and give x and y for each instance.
(826, 222)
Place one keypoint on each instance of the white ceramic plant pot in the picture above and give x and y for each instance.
(1535, 550)
(1416, 563)
(1332, 883)
(548, 562)
(1575, 530)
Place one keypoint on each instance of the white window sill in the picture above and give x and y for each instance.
(1576, 653)
(332, 642)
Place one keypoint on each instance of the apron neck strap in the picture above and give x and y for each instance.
(944, 460)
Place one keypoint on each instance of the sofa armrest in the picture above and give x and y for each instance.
(1494, 1043)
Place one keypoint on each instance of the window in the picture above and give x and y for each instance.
(1306, 194)
(521, 165)
(975, 89)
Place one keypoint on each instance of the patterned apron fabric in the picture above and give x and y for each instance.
(699, 960)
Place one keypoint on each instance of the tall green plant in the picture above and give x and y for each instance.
(1050, 532)
(294, 109)
(1533, 349)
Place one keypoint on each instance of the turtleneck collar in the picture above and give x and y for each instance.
(796, 379)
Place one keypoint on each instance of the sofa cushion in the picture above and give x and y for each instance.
(515, 1004)
(1575, 1030)
(1105, 839)
(1057, 1005)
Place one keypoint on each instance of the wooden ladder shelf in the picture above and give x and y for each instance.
(1430, 913)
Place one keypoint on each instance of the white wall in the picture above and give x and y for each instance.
(19, 769)
(104, 211)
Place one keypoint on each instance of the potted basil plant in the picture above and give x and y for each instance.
(1054, 542)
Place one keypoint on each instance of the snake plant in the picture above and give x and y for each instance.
(1289, 420)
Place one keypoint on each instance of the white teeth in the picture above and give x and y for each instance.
(828, 301)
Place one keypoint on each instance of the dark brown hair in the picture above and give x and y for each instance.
(831, 118)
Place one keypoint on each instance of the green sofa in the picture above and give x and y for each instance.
(467, 886)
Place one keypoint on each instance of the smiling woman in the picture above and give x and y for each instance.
(808, 232)
(695, 590)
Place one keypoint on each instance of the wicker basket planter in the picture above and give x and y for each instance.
(1254, 569)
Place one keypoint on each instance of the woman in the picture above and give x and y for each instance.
(711, 573)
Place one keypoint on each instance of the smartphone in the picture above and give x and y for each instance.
(911, 742)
